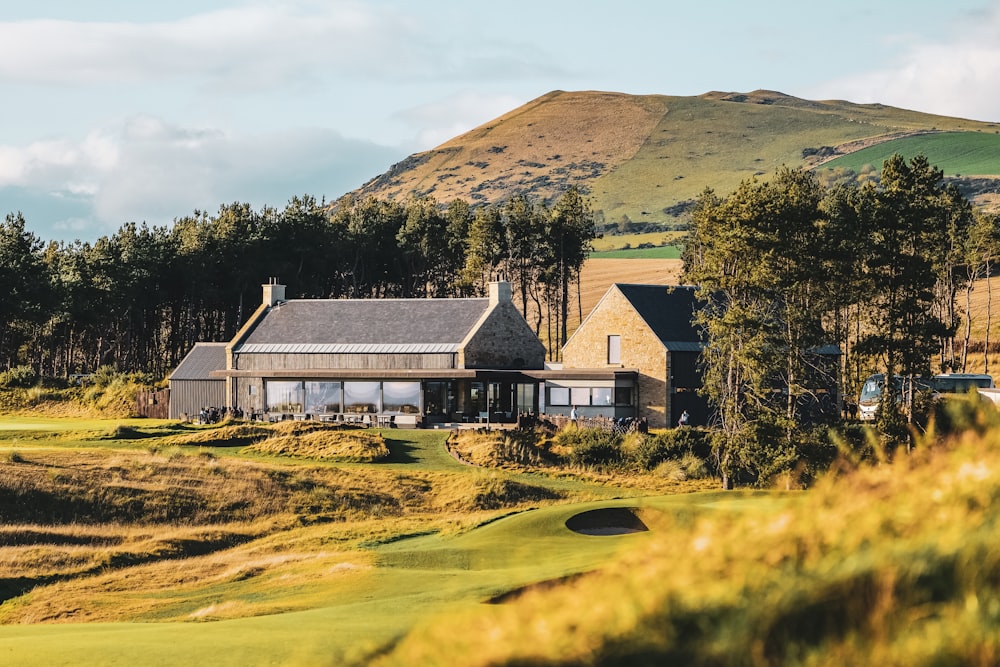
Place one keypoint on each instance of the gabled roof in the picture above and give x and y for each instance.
(668, 311)
(378, 326)
(200, 361)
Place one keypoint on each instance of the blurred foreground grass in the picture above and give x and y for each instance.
(892, 564)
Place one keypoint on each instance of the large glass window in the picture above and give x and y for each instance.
(477, 398)
(362, 397)
(401, 397)
(286, 397)
(323, 397)
(623, 396)
(602, 396)
(580, 395)
(439, 398)
(559, 396)
(526, 398)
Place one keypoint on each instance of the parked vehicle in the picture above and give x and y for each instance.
(940, 385)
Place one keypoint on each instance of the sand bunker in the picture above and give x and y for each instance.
(607, 521)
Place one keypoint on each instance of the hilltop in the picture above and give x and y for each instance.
(643, 158)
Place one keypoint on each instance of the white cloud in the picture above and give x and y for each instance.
(252, 47)
(956, 77)
(147, 170)
(447, 118)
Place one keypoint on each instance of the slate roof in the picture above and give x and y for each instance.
(668, 310)
(378, 326)
(200, 361)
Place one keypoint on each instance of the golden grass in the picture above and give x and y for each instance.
(894, 564)
(326, 445)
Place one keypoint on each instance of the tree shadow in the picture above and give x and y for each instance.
(400, 451)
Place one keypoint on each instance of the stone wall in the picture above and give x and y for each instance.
(503, 340)
(640, 349)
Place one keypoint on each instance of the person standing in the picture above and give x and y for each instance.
(685, 417)
(573, 416)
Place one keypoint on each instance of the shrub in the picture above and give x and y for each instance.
(671, 444)
(18, 377)
(590, 446)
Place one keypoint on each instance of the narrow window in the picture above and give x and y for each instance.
(614, 349)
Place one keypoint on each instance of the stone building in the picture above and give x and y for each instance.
(646, 332)
(407, 362)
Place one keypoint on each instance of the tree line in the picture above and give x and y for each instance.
(786, 267)
(139, 299)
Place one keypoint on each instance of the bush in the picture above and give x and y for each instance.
(20, 377)
(590, 446)
(671, 444)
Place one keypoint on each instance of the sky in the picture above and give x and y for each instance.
(116, 111)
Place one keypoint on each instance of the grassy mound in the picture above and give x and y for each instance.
(498, 449)
(325, 444)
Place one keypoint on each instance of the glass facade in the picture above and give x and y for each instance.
(401, 398)
(284, 396)
(323, 398)
(559, 396)
(362, 397)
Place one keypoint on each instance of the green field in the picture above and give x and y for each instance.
(955, 153)
(660, 252)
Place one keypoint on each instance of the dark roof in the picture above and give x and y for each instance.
(365, 325)
(200, 361)
(669, 311)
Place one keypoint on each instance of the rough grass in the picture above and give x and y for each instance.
(325, 444)
(895, 564)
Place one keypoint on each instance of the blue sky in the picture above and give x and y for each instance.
(116, 111)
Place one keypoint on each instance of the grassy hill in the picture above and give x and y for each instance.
(641, 158)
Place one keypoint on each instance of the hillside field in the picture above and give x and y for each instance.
(955, 153)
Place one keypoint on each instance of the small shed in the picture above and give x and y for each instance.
(192, 386)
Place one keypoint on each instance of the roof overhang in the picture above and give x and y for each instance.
(384, 374)
(347, 348)
(582, 374)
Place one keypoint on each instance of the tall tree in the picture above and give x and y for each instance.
(906, 231)
(25, 281)
(568, 238)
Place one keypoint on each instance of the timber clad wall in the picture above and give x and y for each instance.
(188, 397)
(640, 349)
(306, 362)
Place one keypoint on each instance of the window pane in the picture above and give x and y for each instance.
(623, 396)
(602, 396)
(614, 349)
(401, 397)
(284, 396)
(581, 395)
(559, 396)
(322, 397)
(361, 397)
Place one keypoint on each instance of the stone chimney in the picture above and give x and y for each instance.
(500, 292)
(273, 293)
